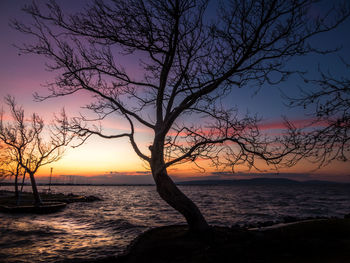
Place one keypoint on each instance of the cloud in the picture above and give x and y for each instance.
(120, 125)
(136, 177)
(120, 178)
(226, 175)
(298, 123)
(241, 174)
(143, 172)
(112, 172)
(247, 174)
(223, 173)
(277, 124)
(133, 173)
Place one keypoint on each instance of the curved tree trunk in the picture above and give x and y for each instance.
(171, 194)
(37, 199)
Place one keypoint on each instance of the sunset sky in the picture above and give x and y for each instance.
(114, 161)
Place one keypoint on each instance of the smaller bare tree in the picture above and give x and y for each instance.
(9, 167)
(328, 97)
(24, 139)
(5, 169)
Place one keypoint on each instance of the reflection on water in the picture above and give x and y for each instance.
(49, 239)
(104, 228)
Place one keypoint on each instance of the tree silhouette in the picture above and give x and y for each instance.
(9, 167)
(189, 65)
(329, 98)
(25, 144)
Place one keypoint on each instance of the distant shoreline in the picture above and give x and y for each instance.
(252, 181)
(71, 184)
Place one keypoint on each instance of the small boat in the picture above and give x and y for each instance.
(44, 208)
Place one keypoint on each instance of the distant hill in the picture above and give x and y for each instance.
(253, 181)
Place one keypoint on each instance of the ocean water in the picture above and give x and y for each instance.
(85, 231)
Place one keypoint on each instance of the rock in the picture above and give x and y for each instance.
(266, 223)
(92, 198)
(236, 226)
(321, 241)
(290, 219)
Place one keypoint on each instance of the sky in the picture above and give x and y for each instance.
(113, 161)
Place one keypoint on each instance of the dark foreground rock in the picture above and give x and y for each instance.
(318, 241)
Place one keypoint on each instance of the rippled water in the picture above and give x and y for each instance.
(86, 231)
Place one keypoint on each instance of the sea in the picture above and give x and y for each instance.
(87, 231)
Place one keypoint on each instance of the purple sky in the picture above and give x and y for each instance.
(21, 75)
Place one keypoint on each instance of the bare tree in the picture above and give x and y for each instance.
(6, 168)
(9, 167)
(329, 100)
(25, 143)
(189, 66)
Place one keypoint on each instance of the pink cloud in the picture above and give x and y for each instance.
(121, 125)
(274, 128)
(298, 123)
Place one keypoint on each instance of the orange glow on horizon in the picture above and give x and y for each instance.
(130, 165)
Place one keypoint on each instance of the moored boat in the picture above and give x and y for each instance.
(44, 208)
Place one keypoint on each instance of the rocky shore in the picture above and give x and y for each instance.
(284, 221)
(8, 198)
(311, 241)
